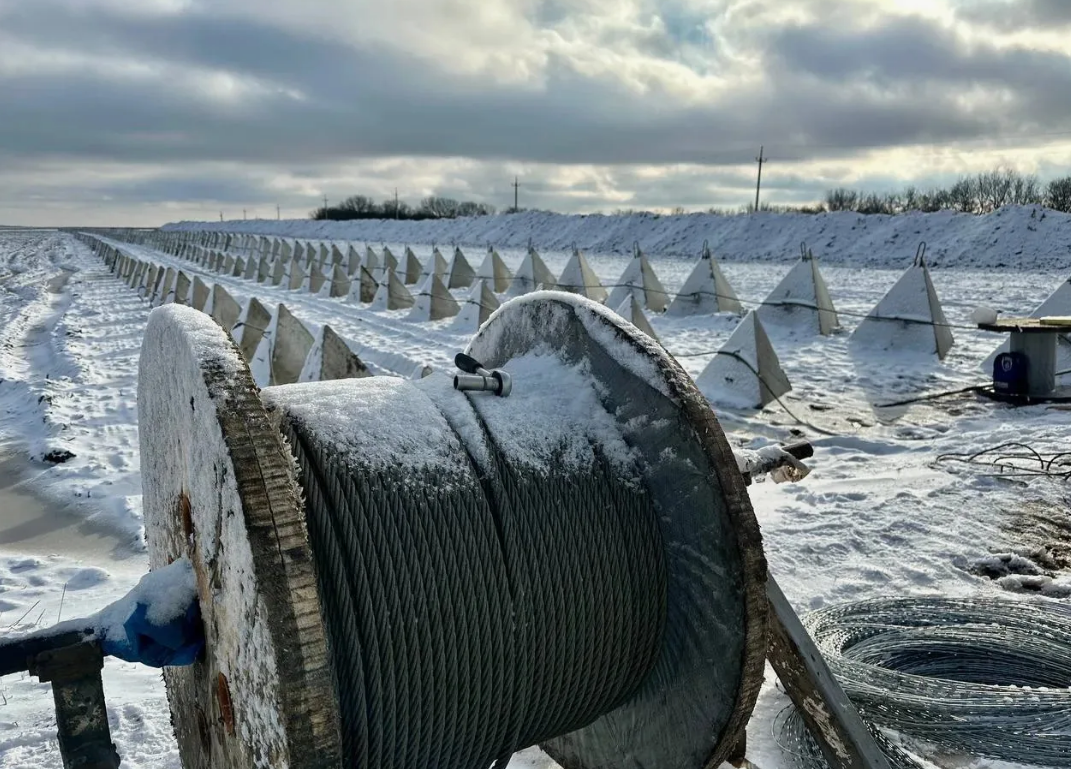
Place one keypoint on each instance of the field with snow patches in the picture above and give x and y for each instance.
(878, 515)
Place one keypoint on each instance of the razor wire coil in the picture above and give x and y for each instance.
(981, 677)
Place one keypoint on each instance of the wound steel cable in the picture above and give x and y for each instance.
(469, 620)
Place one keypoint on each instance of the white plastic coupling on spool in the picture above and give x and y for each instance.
(478, 379)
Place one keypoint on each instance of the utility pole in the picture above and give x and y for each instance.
(396, 203)
(325, 201)
(278, 212)
(758, 182)
(515, 185)
(221, 216)
(243, 214)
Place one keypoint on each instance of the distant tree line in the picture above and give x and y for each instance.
(978, 194)
(364, 207)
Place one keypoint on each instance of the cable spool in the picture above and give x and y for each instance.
(575, 566)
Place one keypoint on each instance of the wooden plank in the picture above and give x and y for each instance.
(829, 714)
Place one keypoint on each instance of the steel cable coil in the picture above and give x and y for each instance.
(465, 624)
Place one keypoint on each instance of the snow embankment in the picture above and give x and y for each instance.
(1024, 237)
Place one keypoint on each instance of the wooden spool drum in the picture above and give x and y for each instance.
(221, 488)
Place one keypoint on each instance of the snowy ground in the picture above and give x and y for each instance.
(877, 516)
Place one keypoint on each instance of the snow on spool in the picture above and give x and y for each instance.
(494, 270)
(575, 566)
(745, 372)
(801, 300)
(579, 278)
(639, 280)
(908, 318)
(532, 275)
(706, 291)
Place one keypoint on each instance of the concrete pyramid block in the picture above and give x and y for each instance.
(746, 372)
(631, 311)
(495, 272)
(314, 280)
(299, 251)
(362, 287)
(200, 293)
(392, 294)
(579, 278)
(239, 267)
(413, 268)
(337, 257)
(706, 291)
(908, 318)
(389, 261)
(1058, 303)
(340, 282)
(331, 358)
(150, 281)
(434, 301)
(639, 280)
(532, 275)
(353, 261)
(436, 265)
(228, 264)
(296, 275)
(325, 256)
(477, 307)
(281, 354)
(225, 310)
(285, 250)
(460, 273)
(279, 270)
(276, 246)
(249, 329)
(371, 262)
(253, 267)
(801, 300)
(180, 294)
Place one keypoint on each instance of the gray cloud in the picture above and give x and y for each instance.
(1018, 15)
(312, 104)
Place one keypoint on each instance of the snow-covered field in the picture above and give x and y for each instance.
(877, 516)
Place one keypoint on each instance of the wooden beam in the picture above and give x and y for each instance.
(829, 714)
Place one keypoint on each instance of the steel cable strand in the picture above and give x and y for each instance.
(340, 612)
(470, 547)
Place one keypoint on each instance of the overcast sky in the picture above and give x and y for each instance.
(146, 111)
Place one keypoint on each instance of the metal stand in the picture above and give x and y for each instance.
(72, 663)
